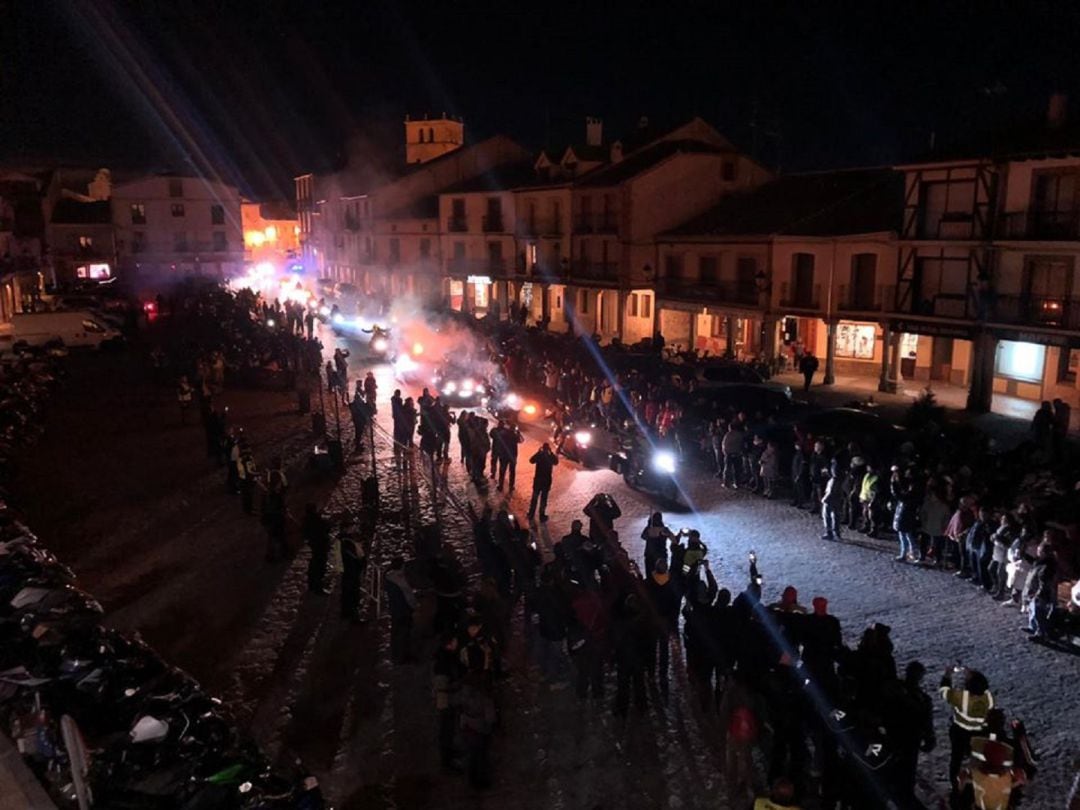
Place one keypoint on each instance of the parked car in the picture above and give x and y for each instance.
(75, 328)
(867, 429)
(721, 373)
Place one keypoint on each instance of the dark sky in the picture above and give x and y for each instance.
(258, 92)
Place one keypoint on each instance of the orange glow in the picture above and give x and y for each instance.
(254, 238)
(271, 233)
(418, 349)
(530, 409)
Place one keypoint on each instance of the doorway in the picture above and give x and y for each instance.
(941, 359)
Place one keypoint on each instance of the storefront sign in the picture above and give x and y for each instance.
(1042, 338)
(479, 279)
(953, 330)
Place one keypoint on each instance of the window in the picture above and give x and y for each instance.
(425, 248)
(746, 277)
(727, 171)
(177, 209)
(180, 242)
(431, 135)
(220, 244)
(138, 242)
(802, 271)
(1068, 363)
(1020, 361)
(459, 250)
(1055, 204)
(673, 265)
(633, 305)
(584, 299)
(1047, 287)
(946, 210)
(709, 270)
(138, 214)
(457, 207)
(217, 215)
(86, 242)
(176, 187)
(863, 280)
(646, 306)
(530, 254)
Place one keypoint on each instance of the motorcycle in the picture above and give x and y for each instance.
(648, 469)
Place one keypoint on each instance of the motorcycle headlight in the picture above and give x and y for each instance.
(338, 319)
(513, 401)
(583, 437)
(664, 461)
(379, 344)
(530, 409)
(450, 387)
(324, 311)
(479, 389)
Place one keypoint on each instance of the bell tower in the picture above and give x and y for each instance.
(428, 138)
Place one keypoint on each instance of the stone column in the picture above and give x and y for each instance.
(830, 353)
(890, 362)
(620, 315)
(693, 331)
(981, 390)
(768, 337)
(729, 333)
(545, 302)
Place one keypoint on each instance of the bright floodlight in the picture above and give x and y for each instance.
(379, 344)
(664, 461)
(583, 437)
(418, 349)
(450, 387)
(530, 409)
(513, 401)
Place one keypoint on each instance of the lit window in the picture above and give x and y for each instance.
(86, 242)
(138, 214)
(217, 215)
(177, 209)
(1020, 361)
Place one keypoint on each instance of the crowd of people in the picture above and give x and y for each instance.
(843, 725)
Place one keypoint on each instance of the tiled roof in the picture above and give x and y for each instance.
(815, 204)
(644, 160)
(499, 178)
(424, 208)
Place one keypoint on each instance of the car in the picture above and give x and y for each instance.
(460, 387)
(721, 373)
(870, 431)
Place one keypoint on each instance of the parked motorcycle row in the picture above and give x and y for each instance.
(27, 378)
(98, 716)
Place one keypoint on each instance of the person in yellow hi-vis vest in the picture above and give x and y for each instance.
(781, 797)
(970, 704)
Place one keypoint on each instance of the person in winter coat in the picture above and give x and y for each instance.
(664, 600)
(587, 640)
(733, 445)
(800, 476)
(1008, 531)
(402, 602)
(1043, 591)
(770, 469)
(656, 536)
(905, 516)
(980, 547)
(316, 533)
(832, 502)
(545, 461)
(934, 514)
(852, 490)
(447, 674)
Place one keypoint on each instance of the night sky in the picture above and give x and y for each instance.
(260, 92)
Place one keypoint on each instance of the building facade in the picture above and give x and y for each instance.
(171, 226)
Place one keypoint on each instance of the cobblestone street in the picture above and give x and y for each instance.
(170, 554)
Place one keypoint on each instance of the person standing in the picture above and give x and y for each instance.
(808, 366)
(912, 725)
(184, 396)
(354, 561)
(371, 388)
(832, 501)
(274, 509)
(316, 532)
(402, 602)
(733, 445)
(248, 478)
(1043, 594)
(360, 412)
(656, 536)
(341, 365)
(504, 449)
(905, 516)
(545, 461)
(970, 705)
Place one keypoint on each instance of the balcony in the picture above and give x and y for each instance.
(607, 223)
(938, 305)
(800, 298)
(457, 224)
(849, 300)
(583, 223)
(595, 271)
(496, 268)
(1030, 310)
(492, 223)
(1050, 226)
(731, 292)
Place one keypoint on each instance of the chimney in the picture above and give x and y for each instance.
(1056, 111)
(594, 131)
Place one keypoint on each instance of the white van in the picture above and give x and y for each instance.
(75, 328)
